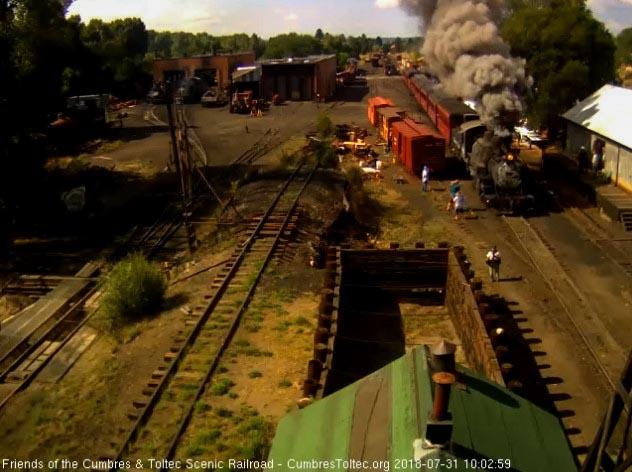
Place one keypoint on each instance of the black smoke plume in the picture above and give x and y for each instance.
(464, 49)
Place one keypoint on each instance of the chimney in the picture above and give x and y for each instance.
(439, 424)
(442, 357)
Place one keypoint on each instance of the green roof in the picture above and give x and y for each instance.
(378, 419)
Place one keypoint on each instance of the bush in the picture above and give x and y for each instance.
(326, 154)
(324, 126)
(355, 177)
(134, 288)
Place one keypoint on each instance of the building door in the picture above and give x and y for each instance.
(306, 88)
(282, 86)
(295, 90)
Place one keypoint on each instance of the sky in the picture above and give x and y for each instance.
(272, 17)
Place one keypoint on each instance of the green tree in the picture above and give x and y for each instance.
(624, 47)
(319, 34)
(292, 44)
(120, 48)
(569, 55)
(378, 42)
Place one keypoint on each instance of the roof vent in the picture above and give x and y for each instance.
(442, 357)
(439, 424)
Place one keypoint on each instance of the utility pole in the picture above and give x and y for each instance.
(179, 147)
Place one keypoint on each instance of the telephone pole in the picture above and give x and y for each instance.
(182, 161)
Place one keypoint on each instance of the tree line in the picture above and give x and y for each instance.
(46, 56)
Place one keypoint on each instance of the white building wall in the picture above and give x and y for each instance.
(617, 159)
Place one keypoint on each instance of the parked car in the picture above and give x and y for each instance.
(213, 98)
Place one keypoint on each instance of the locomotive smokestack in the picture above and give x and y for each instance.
(463, 47)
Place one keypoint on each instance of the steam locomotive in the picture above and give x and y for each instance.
(499, 175)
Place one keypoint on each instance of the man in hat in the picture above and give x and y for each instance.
(493, 262)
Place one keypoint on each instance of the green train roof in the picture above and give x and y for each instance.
(378, 419)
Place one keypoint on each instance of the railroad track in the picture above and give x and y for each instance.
(161, 414)
(600, 238)
(25, 348)
(603, 349)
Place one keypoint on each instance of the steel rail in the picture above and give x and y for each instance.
(172, 368)
(564, 305)
(235, 325)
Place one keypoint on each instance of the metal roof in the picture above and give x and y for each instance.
(605, 113)
(379, 417)
(296, 60)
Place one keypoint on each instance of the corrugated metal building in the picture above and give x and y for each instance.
(299, 78)
(604, 116)
(385, 421)
(215, 70)
(247, 78)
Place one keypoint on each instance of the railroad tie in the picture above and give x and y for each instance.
(157, 374)
(142, 403)
(170, 356)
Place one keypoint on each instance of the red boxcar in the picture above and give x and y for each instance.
(424, 147)
(387, 116)
(376, 103)
(399, 130)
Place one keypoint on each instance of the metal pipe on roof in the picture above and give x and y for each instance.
(443, 382)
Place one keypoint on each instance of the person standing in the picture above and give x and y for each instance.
(493, 262)
(458, 204)
(425, 177)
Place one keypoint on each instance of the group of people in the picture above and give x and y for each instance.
(456, 201)
(492, 259)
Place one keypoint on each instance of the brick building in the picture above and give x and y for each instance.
(302, 78)
(215, 70)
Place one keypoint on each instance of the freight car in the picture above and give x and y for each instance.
(499, 176)
(445, 112)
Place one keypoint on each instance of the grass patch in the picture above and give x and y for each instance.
(252, 328)
(232, 395)
(242, 343)
(284, 296)
(223, 412)
(195, 450)
(285, 383)
(257, 433)
(253, 352)
(222, 386)
(283, 325)
(222, 369)
(208, 437)
(255, 374)
(302, 321)
(202, 407)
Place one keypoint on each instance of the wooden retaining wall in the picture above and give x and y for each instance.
(465, 301)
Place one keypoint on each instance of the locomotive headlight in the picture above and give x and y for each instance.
(510, 157)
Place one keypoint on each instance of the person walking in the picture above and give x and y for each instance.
(493, 262)
(458, 204)
(455, 186)
(425, 177)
